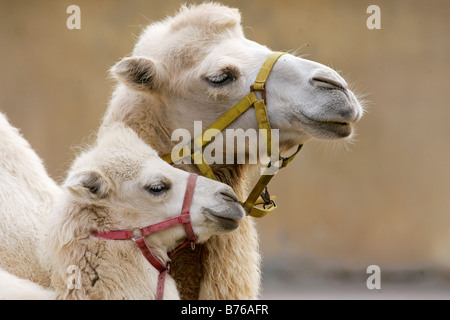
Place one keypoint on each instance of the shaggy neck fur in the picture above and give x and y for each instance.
(86, 267)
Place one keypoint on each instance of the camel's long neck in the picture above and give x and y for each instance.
(150, 118)
(145, 114)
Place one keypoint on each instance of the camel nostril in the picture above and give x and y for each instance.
(327, 83)
(228, 196)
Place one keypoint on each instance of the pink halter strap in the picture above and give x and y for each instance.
(138, 235)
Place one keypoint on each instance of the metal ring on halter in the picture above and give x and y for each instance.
(135, 237)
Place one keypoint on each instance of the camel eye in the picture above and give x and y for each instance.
(157, 189)
(220, 80)
(227, 76)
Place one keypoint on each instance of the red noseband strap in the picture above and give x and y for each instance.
(185, 210)
(137, 235)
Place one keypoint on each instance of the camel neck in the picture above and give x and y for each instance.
(147, 115)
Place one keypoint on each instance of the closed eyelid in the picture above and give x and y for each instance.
(161, 181)
(231, 71)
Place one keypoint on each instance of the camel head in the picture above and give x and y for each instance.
(127, 185)
(198, 64)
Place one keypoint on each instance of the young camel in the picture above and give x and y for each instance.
(118, 184)
(196, 65)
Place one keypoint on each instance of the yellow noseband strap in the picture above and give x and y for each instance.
(257, 196)
(265, 70)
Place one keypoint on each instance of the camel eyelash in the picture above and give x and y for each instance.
(226, 76)
(158, 188)
(219, 79)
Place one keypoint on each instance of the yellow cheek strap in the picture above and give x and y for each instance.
(259, 195)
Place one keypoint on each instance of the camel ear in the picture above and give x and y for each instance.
(88, 185)
(139, 73)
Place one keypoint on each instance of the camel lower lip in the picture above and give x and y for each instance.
(339, 129)
(225, 222)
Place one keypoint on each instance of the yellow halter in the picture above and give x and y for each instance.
(259, 195)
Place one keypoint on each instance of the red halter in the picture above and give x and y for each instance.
(138, 235)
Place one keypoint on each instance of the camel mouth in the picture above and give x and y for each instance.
(337, 129)
(324, 128)
(223, 222)
(340, 129)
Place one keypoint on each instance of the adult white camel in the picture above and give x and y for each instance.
(195, 66)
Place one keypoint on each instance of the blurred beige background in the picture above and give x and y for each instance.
(385, 201)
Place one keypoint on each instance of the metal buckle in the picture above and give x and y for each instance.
(263, 93)
(192, 245)
(267, 201)
(137, 233)
(270, 204)
(266, 196)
